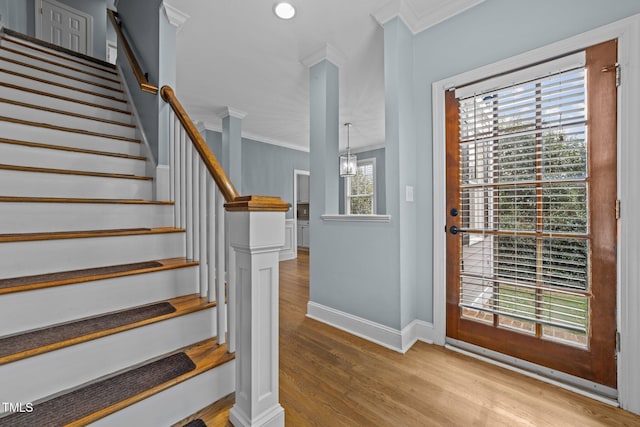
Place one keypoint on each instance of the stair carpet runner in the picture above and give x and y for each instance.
(100, 317)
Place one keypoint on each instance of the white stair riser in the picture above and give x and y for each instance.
(48, 256)
(70, 106)
(48, 217)
(37, 184)
(15, 154)
(24, 311)
(178, 402)
(68, 92)
(29, 133)
(7, 41)
(59, 79)
(51, 118)
(90, 76)
(36, 377)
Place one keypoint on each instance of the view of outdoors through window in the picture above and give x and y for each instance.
(524, 193)
(361, 190)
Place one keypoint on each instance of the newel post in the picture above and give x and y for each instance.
(256, 235)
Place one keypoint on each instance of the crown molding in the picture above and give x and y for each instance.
(175, 17)
(328, 52)
(231, 112)
(416, 22)
(258, 138)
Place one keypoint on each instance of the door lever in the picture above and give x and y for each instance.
(455, 230)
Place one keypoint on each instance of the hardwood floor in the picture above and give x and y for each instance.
(331, 378)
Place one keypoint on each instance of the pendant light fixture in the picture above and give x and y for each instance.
(348, 161)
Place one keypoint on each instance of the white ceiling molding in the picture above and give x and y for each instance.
(328, 52)
(258, 138)
(231, 112)
(397, 8)
(175, 17)
(439, 11)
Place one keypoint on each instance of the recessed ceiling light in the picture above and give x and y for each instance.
(284, 10)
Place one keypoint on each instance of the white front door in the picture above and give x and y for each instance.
(64, 26)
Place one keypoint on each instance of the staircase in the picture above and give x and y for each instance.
(101, 318)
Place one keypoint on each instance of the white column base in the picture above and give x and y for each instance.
(272, 418)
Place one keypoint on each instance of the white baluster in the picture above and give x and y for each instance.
(211, 238)
(203, 229)
(172, 160)
(220, 270)
(189, 199)
(177, 173)
(195, 178)
(183, 178)
(231, 300)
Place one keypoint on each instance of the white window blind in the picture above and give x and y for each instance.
(524, 198)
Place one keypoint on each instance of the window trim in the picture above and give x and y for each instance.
(347, 188)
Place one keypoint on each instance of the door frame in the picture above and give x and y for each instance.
(296, 173)
(627, 31)
(37, 5)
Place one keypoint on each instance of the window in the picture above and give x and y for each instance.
(360, 190)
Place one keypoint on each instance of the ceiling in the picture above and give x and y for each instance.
(238, 55)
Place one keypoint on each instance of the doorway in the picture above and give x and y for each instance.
(64, 26)
(301, 209)
(531, 218)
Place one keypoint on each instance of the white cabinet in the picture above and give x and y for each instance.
(303, 234)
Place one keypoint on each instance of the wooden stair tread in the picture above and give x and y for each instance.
(94, 327)
(58, 64)
(62, 85)
(57, 55)
(214, 415)
(41, 281)
(56, 73)
(20, 199)
(58, 235)
(71, 149)
(66, 113)
(63, 98)
(200, 357)
(73, 172)
(66, 129)
(55, 47)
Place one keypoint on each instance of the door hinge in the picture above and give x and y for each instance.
(617, 341)
(615, 67)
(618, 209)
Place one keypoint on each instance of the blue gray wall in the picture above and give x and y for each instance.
(389, 278)
(381, 179)
(146, 26)
(267, 169)
(16, 14)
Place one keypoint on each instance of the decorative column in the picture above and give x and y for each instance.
(324, 129)
(257, 235)
(232, 144)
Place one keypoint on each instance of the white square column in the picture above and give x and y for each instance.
(256, 238)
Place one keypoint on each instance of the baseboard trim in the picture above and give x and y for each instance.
(394, 339)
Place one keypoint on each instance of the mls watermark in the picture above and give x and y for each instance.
(17, 406)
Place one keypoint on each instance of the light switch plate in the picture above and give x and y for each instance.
(409, 196)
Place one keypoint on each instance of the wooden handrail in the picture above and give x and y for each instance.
(142, 80)
(219, 175)
(235, 202)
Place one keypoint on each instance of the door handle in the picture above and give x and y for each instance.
(455, 230)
